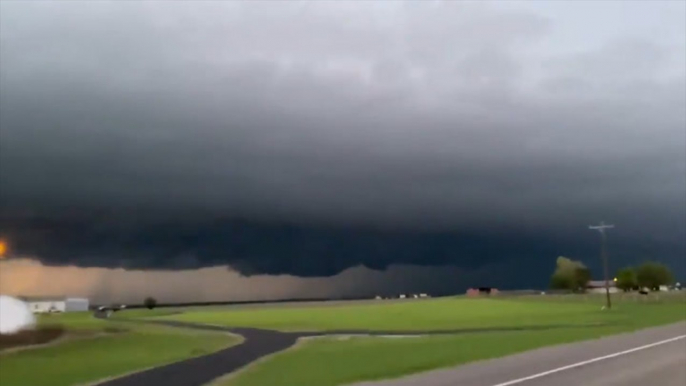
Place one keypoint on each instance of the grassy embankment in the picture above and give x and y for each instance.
(335, 361)
(93, 349)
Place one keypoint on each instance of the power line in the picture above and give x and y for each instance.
(603, 256)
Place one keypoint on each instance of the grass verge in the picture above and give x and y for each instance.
(116, 349)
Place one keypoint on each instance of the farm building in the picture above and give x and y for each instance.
(598, 286)
(44, 304)
(482, 291)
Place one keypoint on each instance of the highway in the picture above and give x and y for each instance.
(655, 356)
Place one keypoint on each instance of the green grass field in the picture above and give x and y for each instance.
(97, 349)
(98, 355)
(438, 314)
(340, 362)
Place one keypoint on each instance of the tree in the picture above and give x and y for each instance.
(652, 275)
(570, 275)
(561, 281)
(626, 279)
(582, 275)
(150, 302)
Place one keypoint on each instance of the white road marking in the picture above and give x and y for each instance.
(598, 359)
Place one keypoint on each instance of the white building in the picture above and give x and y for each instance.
(56, 304)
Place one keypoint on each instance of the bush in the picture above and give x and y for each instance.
(150, 302)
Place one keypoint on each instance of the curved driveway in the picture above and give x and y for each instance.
(201, 370)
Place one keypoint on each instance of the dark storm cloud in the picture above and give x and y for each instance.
(138, 135)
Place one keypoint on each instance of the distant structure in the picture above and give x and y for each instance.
(472, 292)
(598, 287)
(482, 291)
(48, 304)
(107, 311)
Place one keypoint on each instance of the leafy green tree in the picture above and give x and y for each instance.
(570, 275)
(652, 275)
(150, 302)
(627, 279)
(561, 281)
(582, 275)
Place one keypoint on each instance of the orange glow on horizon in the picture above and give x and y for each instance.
(3, 249)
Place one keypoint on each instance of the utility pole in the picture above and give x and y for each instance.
(603, 256)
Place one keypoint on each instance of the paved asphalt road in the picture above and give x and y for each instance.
(661, 364)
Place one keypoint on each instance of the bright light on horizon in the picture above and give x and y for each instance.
(3, 249)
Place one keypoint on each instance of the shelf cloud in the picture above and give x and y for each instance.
(308, 138)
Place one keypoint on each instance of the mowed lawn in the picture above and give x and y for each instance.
(335, 361)
(416, 315)
(109, 349)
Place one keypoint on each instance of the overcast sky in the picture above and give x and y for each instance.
(151, 135)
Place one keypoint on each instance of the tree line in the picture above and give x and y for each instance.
(649, 275)
(574, 276)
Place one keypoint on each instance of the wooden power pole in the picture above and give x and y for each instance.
(603, 257)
